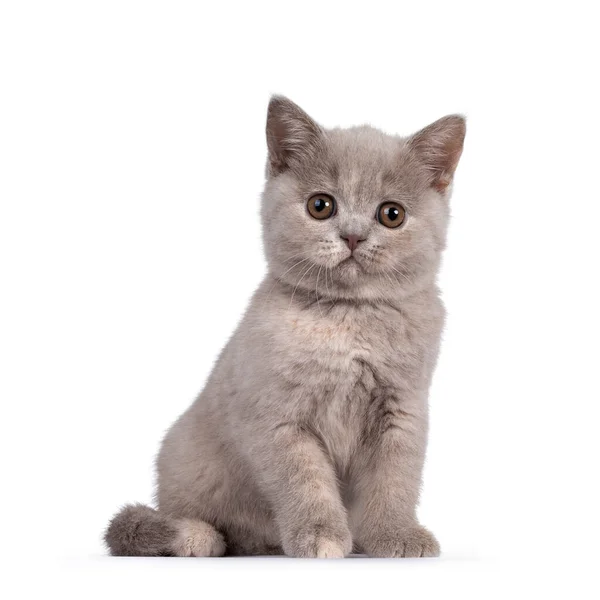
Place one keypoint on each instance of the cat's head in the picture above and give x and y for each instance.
(356, 213)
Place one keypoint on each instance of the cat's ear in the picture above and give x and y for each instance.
(291, 133)
(439, 147)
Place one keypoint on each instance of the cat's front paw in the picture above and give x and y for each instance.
(319, 542)
(408, 542)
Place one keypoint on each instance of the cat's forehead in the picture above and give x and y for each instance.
(363, 162)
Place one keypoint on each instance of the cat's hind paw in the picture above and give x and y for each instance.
(197, 538)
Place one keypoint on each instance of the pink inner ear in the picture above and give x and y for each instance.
(441, 184)
(276, 135)
(440, 146)
(279, 132)
(290, 131)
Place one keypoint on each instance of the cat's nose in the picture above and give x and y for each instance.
(352, 241)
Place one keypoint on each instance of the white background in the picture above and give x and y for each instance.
(132, 155)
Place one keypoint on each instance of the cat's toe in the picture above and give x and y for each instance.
(329, 549)
(409, 542)
(196, 538)
(318, 543)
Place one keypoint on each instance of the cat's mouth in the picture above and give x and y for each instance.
(350, 258)
(350, 264)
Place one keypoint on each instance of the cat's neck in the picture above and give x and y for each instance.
(324, 298)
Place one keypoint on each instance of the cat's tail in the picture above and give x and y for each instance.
(138, 530)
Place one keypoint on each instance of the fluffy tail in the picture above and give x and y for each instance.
(138, 530)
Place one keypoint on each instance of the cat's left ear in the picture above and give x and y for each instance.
(439, 147)
(291, 134)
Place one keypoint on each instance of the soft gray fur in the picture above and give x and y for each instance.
(310, 435)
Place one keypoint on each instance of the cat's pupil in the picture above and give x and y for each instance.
(320, 205)
(392, 213)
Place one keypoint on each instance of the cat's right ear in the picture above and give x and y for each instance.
(291, 134)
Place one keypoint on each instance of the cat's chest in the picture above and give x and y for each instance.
(339, 358)
(336, 347)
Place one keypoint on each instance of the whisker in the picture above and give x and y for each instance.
(316, 290)
(400, 273)
(393, 281)
(286, 272)
(310, 267)
(332, 285)
(293, 256)
(293, 266)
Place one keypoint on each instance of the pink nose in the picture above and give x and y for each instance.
(352, 241)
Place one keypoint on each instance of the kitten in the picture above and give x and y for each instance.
(309, 437)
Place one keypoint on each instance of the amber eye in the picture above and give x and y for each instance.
(391, 214)
(321, 206)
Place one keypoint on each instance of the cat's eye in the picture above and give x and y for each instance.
(321, 206)
(391, 214)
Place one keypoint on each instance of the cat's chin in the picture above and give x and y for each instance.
(349, 270)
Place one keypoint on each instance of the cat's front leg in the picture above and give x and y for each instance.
(387, 488)
(300, 483)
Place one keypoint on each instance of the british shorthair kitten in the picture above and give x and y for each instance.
(310, 434)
